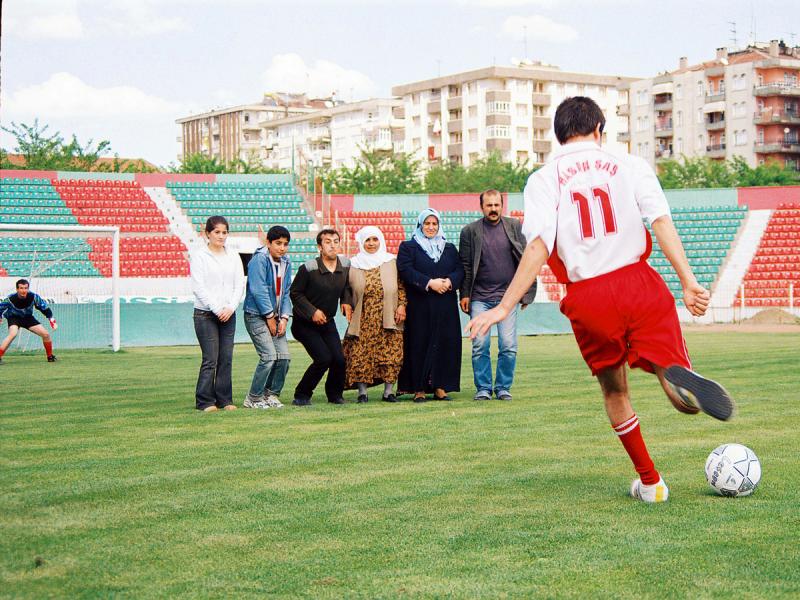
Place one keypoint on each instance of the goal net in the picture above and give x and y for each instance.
(76, 270)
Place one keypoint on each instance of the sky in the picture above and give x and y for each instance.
(125, 70)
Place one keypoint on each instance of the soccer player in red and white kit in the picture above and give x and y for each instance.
(583, 215)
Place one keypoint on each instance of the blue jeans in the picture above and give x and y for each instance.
(507, 351)
(216, 343)
(273, 357)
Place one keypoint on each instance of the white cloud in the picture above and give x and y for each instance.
(539, 28)
(43, 20)
(135, 18)
(290, 73)
(65, 96)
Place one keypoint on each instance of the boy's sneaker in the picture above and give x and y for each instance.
(503, 395)
(658, 492)
(710, 396)
(272, 401)
(483, 395)
(52, 358)
(254, 402)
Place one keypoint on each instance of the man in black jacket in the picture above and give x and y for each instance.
(317, 289)
(490, 250)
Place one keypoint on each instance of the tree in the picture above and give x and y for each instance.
(702, 172)
(376, 172)
(490, 172)
(203, 163)
(49, 152)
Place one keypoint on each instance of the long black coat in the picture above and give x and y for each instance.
(432, 342)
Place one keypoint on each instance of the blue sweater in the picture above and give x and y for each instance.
(261, 298)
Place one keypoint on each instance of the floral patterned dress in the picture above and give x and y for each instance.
(376, 355)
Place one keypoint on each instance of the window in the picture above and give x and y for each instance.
(415, 98)
(522, 110)
(679, 145)
(416, 121)
(639, 150)
(646, 149)
(679, 119)
(498, 131)
(581, 89)
(740, 138)
(740, 83)
(602, 91)
(561, 88)
(699, 88)
(473, 135)
(699, 118)
(539, 134)
(760, 135)
(498, 108)
(415, 143)
(701, 142)
(522, 133)
(739, 109)
(473, 111)
(790, 80)
(721, 86)
(678, 91)
(642, 97)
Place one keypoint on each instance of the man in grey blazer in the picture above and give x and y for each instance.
(490, 250)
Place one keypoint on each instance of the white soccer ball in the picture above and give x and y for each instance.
(733, 470)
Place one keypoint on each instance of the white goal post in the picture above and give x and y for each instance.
(86, 229)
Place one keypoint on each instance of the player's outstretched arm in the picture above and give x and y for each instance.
(533, 259)
(695, 296)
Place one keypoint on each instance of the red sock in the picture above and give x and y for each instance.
(631, 437)
(48, 348)
(2, 352)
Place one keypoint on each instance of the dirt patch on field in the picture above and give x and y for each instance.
(771, 320)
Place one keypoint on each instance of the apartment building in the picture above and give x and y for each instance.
(465, 116)
(741, 103)
(330, 137)
(236, 132)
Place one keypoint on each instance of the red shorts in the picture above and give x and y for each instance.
(628, 314)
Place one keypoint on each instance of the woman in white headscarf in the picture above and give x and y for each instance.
(373, 344)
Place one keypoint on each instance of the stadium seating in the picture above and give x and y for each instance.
(776, 263)
(348, 223)
(46, 257)
(33, 201)
(707, 234)
(245, 205)
(141, 256)
(112, 202)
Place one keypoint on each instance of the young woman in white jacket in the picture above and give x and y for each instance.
(218, 287)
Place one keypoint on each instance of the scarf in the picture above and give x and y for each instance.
(434, 246)
(364, 260)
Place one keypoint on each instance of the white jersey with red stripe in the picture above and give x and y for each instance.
(587, 205)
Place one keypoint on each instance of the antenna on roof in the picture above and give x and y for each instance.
(752, 25)
(733, 38)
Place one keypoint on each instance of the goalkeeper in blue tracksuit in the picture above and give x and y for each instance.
(18, 309)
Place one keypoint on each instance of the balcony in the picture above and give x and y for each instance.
(624, 137)
(498, 96)
(623, 110)
(540, 122)
(769, 117)
(715, 71)
(664, 129)
(455, 149)
(662, 101)
(542, 146)
(454, 103)
(789, 145)
(432, 133)
(666, 105)
(718, 97)
(399, 112)
(455, 125)
(498, 144)
(319, 137)
(715, 125)
(434, 107)
(541, 99)
(498, 119)
(778, 88)
(716, 151)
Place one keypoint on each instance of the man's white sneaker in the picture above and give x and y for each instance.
(658, 492)
(272, 401)
(254, 402)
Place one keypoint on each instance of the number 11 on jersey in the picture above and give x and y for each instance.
(601, 194)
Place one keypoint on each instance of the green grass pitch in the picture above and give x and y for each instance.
(113, 486)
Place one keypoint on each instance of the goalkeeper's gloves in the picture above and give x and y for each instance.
(53, 324)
